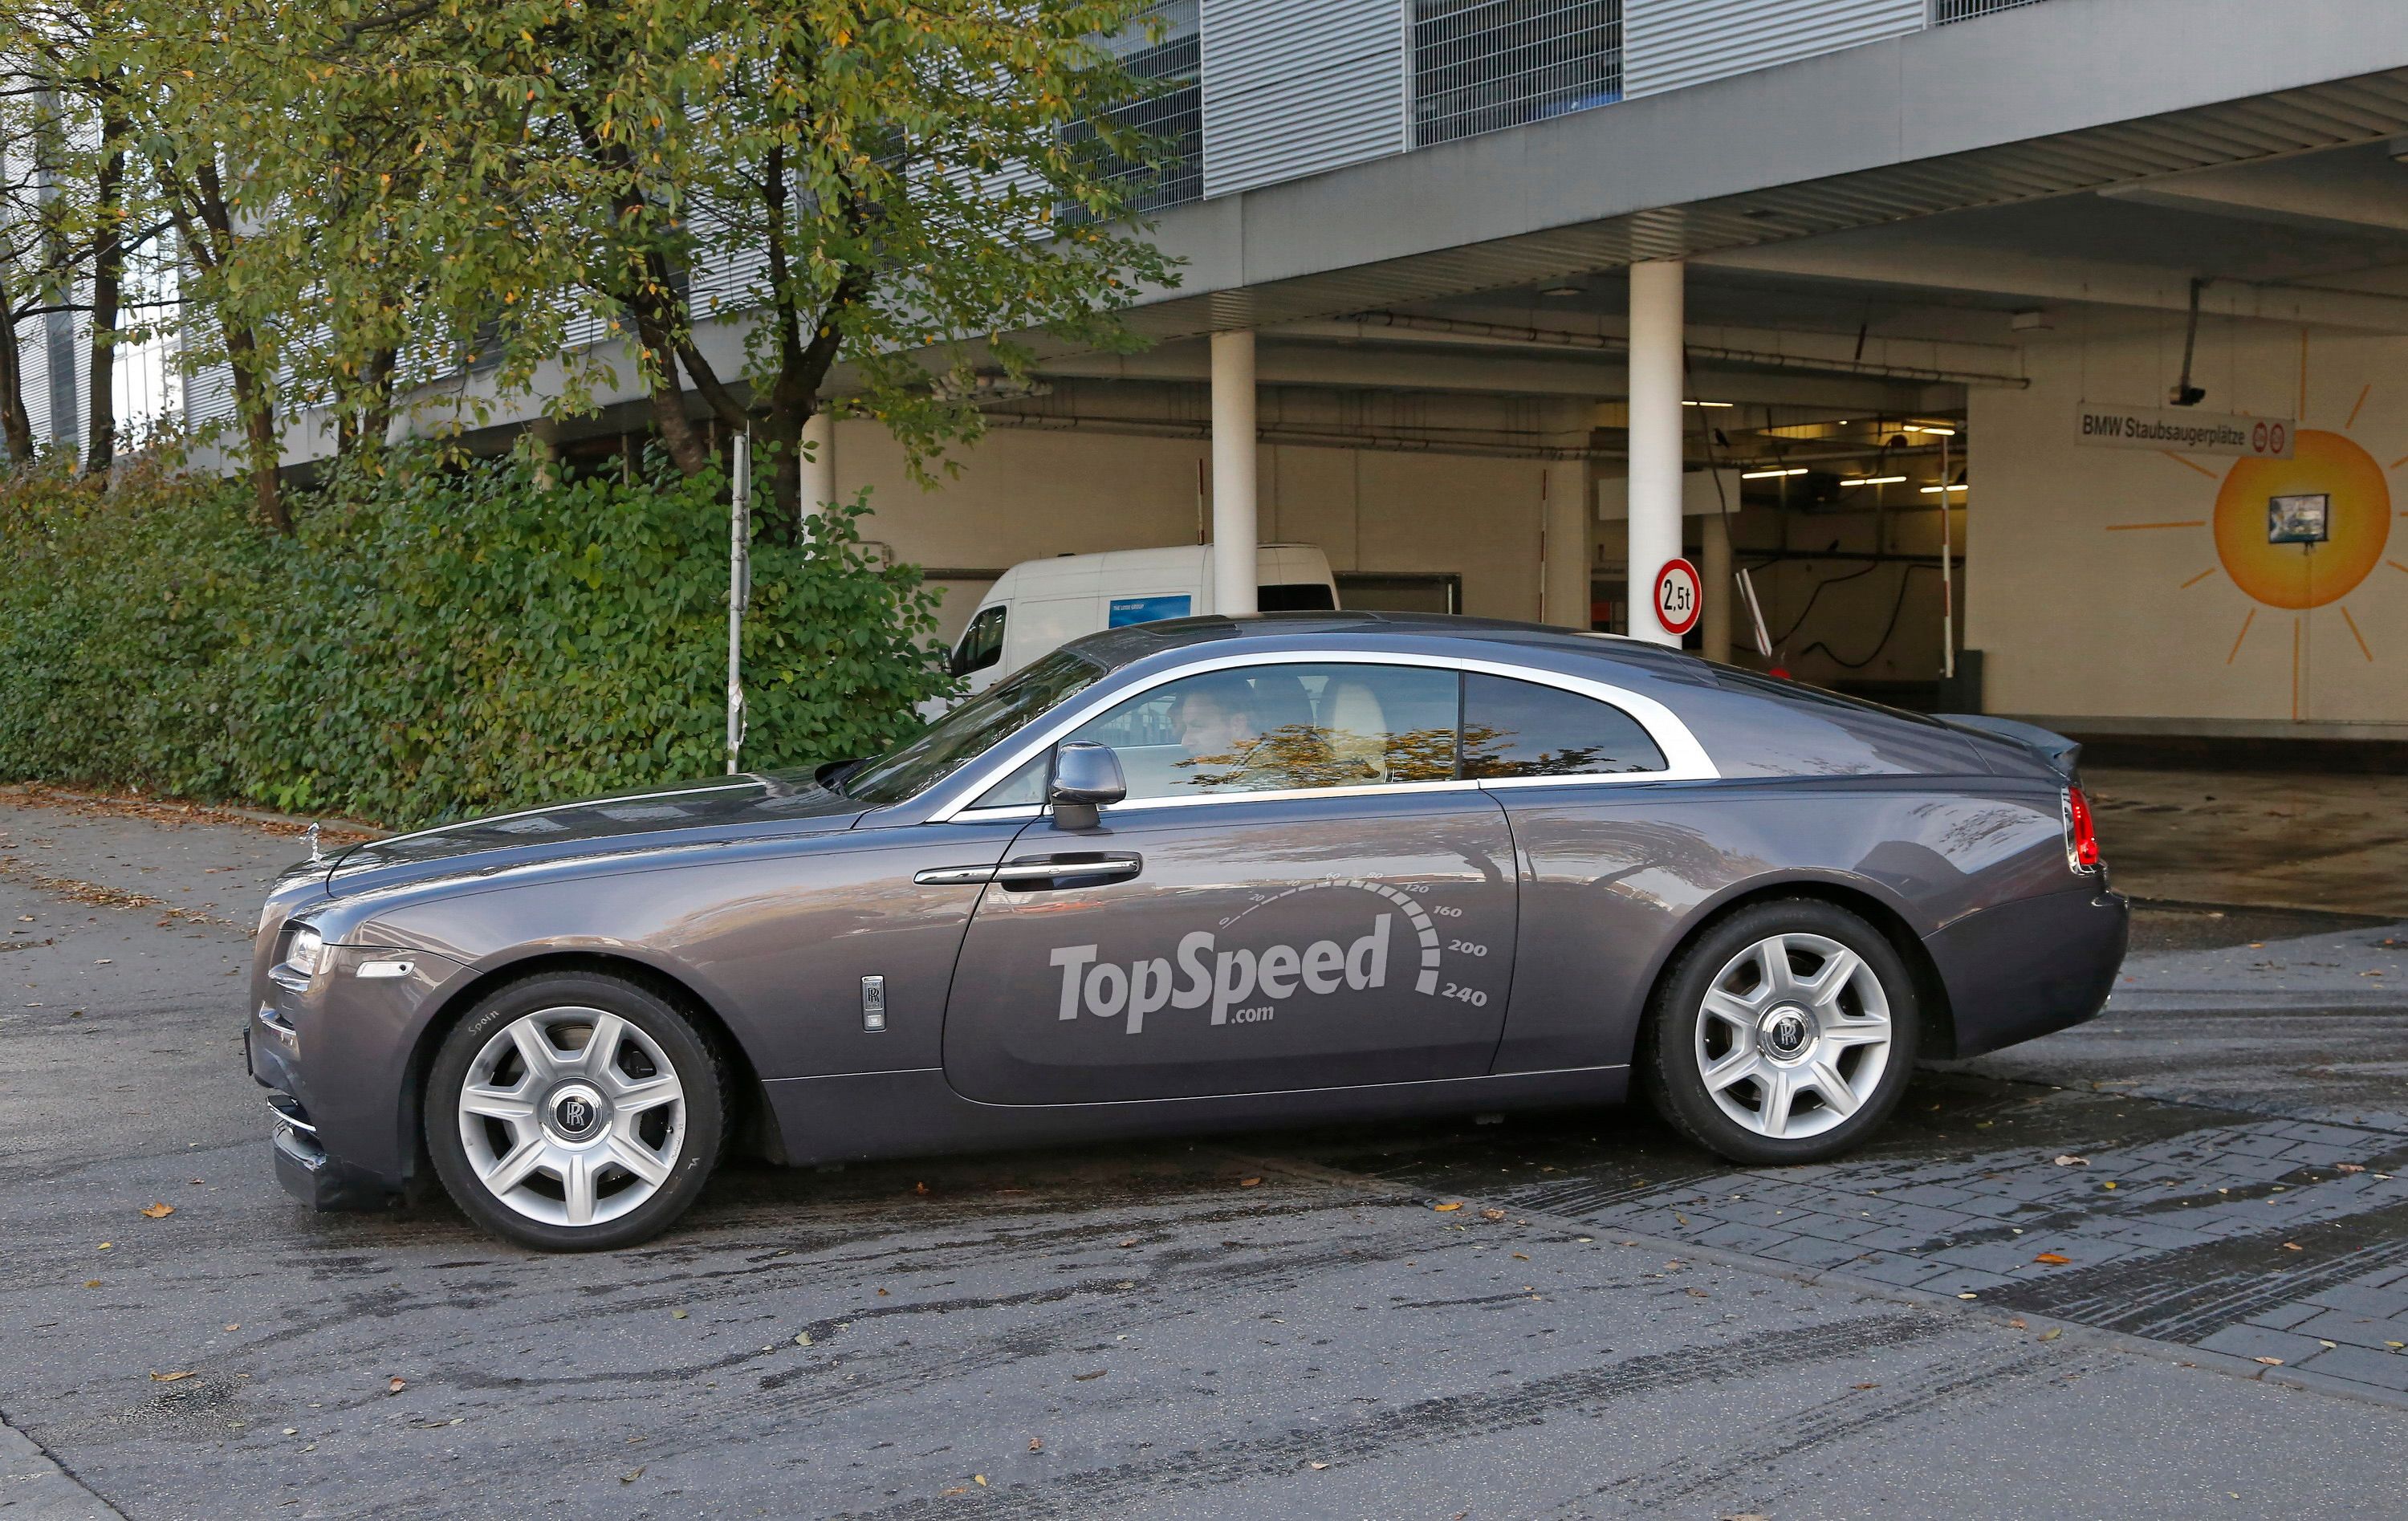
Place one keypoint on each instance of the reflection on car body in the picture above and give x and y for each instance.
(1185, 876)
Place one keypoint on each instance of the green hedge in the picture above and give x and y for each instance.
(434, 640)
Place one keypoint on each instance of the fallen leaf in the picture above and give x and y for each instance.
(1521, 1256)
(979, 1479)
(1250, 1183)
(1444, 1208)
(92, 1283)
(170, 1378)
(631, 1475)
(1968, 1295)
(395, 1386)
(881, 1294)
(2349, 1167)
(108, 1245)
(802, 1339)
(158, 1211)
(2018, 1323)
(1318, 1467)
(1036, 1444)
(1868, 1386)
(677, 1314)
(2072, 1160)
(1131, 1241)
(2272, 1362)
(2053, 1259)
(2293, 1246)
(236, 1327)
(1492, 1215)
(919, 1188)
(2052, 1333)
(1082, 1378)
(957, 1489)
(2110, 1183)
(2396, 1346)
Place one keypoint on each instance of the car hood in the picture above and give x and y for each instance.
(751, 806)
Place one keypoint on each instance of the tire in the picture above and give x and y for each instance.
(1785, 1033)
(543, 1146)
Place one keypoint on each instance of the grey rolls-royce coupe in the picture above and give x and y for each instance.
(1186, 876)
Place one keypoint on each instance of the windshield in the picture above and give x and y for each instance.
(969, 731)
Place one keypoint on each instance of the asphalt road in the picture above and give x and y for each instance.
(1283, 1324)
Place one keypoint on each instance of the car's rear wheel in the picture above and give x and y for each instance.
(1785, 1033)
(576, 1111)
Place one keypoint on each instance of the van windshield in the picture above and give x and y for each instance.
(971, 730)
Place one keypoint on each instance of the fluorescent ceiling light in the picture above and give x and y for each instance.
(1873, 480)
(1934, 491)
(1927, 427)
(1710, 404)
(1768, 475)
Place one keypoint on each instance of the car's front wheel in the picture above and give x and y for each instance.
(576, 1111)
(1785, 1033)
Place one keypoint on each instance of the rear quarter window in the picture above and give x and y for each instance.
(1522, 729)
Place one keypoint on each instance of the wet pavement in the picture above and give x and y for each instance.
(1608, 1324)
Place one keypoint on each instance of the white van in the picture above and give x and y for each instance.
(1040, 604)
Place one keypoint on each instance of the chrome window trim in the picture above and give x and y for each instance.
(1684, 758)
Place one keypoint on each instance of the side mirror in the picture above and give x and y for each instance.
(1086, 776)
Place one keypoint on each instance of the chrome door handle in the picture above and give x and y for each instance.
(1084, 868)
(946, 875)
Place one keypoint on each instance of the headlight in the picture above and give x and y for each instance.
(305, 951)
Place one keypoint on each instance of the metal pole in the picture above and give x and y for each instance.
(740, 587)
(1948, 578)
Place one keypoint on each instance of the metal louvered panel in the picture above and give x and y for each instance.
(1480, 65)
(1668, 44)
(1294, 87)
(1944, 11)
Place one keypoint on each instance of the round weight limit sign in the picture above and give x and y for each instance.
(1678, 600)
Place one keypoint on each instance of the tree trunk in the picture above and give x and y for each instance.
(677, 430)
(16, 428)
(363, 415)
(107, 281)
(256, 402)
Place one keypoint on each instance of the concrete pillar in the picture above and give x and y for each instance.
(1233, 534)
(1569, 509)
(1718, 589)
(1656, 384)
(819, 464)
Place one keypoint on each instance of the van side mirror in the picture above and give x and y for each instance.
(1086, 775)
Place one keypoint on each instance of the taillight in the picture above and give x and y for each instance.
(2081, 834)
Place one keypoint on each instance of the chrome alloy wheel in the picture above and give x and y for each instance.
(572, 1116)
(1794, 1036)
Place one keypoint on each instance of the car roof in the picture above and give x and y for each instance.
(1114, 648)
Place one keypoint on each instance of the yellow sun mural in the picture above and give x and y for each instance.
(2298, 534)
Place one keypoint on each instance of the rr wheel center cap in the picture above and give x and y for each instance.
(1787, 1032)
(575, 1112)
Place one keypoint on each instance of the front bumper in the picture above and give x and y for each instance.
(308, 1174)
(334, 1053)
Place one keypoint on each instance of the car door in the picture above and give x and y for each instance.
(1307, 897)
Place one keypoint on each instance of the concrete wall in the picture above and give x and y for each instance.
(2102, 586)
(1025, 495)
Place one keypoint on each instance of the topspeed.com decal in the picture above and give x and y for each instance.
(1225, 979)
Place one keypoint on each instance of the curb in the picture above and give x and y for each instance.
(2071, 1331)
(34, 791)
(35, 1488)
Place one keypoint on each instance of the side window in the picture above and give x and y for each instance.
(1269, 728)
(1520, 728)
(981, 643)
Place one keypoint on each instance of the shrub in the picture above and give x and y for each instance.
(434, 639)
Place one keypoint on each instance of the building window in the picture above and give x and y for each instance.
(1165, 47)
(1944, 11)
(1483, 65)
